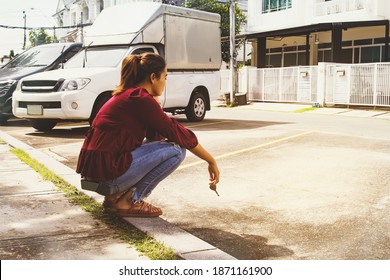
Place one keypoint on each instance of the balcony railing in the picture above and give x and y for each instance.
(338, 6)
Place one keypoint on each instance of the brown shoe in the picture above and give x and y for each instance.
(110, 201)
(140, 209)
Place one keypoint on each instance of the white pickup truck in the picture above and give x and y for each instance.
(188, 39)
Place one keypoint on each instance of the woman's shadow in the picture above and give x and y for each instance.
(242, 247)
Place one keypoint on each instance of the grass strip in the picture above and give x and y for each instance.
(143, 242)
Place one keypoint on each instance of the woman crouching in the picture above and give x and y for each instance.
(133, 145)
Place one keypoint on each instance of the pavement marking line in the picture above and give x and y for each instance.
(75, 125)
(205, 124)
(249, 149)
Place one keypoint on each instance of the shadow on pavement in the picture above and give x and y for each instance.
(224, 124)
(242, 247)
(14, 122)
(62, 132)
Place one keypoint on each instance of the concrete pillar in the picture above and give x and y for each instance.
(337, 34)
(321, 83)
(307, 57)
(261, 54)
(386, 52)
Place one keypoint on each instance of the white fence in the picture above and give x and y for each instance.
(358, 84)
(325, 84)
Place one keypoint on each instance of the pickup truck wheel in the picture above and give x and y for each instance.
(43, 125)
(4, 119)
(98, 105)
(196, 109)
(6, 113)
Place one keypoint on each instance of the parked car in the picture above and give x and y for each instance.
(78, 91)
(37, 59)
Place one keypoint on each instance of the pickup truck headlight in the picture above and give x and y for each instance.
(74, 84)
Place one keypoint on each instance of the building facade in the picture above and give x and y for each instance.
(306, 32)
(72, 16)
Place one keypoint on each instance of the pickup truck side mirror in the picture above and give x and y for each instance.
(61, 65)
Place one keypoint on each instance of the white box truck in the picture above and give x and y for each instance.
(188, 39)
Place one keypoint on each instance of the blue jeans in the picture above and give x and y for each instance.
(152, 163)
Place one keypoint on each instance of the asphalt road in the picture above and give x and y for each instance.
(293, 185)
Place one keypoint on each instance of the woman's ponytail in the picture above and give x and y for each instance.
(136, 68)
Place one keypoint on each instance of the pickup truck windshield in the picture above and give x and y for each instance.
(37, 56)
(97, 57)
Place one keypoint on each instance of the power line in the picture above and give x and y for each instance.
(50, 28)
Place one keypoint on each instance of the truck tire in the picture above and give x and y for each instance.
(98, 105)
(6, 113)
(4, 119)
(42, 125)
(196, 109)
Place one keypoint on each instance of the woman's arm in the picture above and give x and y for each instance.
(200, 152)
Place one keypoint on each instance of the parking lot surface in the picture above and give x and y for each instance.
(293, 185)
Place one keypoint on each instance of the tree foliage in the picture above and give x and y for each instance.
(39, 37)
(215, 6)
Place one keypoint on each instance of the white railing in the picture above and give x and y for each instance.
(358, 84)
(289, 84)
(325, 84)
(338, 6)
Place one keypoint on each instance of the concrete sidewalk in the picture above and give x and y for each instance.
(40, 223)
(293, 107)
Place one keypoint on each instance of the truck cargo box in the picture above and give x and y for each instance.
(191, 38)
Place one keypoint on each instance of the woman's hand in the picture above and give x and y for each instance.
(214, 173)
(200, 152)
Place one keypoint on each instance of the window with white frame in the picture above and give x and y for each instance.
(85, 12)
(73, 18)
(270, 6)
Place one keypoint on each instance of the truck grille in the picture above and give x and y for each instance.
(45, 105)
(41, 86)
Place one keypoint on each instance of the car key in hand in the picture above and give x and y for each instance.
(214, 188)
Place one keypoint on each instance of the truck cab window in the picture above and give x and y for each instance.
(101, 56)
(143, 50)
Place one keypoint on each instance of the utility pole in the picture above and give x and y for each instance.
(82, 29)
(24, 38)
(232, 52)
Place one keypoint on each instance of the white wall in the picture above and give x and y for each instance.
(306, 12)
(259, 22)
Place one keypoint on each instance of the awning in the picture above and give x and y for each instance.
(335, 27)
